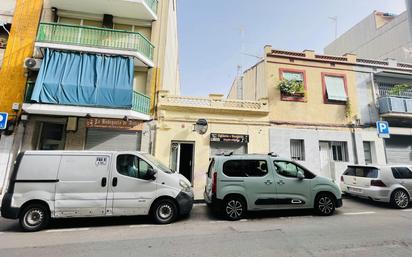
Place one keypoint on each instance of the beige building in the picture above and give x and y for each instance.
(237, 126)
(91, 79)
(314, 111)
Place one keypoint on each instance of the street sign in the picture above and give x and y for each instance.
(383, 129)
(3, 120)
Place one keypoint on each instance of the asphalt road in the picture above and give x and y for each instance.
(360, 228)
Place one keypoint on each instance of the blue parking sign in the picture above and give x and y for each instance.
(383, 129)
(3, 120)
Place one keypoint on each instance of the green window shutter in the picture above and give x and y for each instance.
(292, 76)
(335, 88)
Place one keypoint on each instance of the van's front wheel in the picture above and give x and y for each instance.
(34, 217)
(164, 211)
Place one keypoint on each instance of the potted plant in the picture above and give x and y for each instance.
(293, 88)
(399, 89)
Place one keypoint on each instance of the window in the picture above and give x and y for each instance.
(363, 172)
(297, 149)
(367, 152)
(334, 87)
(51, 136)
(287, 169)
(245, 168)
(290, 170)
(402, 173)
(339, 151)
(292, 85)
(132, 166)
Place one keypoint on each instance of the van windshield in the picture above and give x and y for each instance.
(158, 163)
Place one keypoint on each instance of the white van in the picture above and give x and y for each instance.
(62, 184)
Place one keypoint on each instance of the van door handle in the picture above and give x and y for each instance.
(268, 182)
(114, 182)
(281, 182)
(104, 182)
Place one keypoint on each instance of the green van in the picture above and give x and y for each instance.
(240, 183)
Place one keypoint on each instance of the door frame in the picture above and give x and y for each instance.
(179, 142)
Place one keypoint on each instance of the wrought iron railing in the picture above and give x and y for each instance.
(95, 37)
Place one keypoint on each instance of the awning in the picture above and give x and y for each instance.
(335, 88)
(69, 78)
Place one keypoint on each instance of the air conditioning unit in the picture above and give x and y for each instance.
(32, 63)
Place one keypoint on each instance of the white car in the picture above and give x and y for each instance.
(63, 184)
(391, 184)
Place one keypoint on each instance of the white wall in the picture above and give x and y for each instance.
(280, 143)
(365, 40)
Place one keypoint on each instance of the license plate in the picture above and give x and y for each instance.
(355, 190)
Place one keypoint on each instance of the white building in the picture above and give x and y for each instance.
(379, 36)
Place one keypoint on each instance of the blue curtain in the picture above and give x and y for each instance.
(84, 79)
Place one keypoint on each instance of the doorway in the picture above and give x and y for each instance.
(182, 158)
(325, 160)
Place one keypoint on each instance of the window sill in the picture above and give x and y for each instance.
(293, 98)
(335, 102)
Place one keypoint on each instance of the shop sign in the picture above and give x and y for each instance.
(217, 137)
(133, 125)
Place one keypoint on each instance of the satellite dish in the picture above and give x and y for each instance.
(201, 126)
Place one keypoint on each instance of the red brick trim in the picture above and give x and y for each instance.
(325, 96)
(293, 98)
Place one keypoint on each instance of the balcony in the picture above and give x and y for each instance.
(96, 40)
(395, 106)
(140, 108)
(213, 103)
(133, 9)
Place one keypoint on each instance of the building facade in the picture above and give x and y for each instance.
(233, 126)
(6, 19)
(379, 36)
(91, 78)
(316, 109)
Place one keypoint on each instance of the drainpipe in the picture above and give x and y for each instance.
(355, 148)
(408, 4)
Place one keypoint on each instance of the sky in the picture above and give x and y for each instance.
(211, 41)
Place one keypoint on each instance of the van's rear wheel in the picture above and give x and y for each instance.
(164, 211)
(234, 208)
(325, 204)
(34, 217)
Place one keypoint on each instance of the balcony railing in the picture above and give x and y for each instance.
(141, 103)
(152, 4)
(95, 37)
(392, 104)
(213, 103)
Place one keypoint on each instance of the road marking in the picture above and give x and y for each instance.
(243, 220)
(200, 204)
(148, 225)
(66, 230)
(359, 213)
(218, 221)
(407, 210)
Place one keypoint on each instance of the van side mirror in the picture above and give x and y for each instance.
(300, 175)
(150, 174)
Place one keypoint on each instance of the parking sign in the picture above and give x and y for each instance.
(383, 129)
(3, 120)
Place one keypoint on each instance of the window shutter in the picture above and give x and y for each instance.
(335, 88)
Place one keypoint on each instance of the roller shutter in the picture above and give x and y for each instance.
(112, 140)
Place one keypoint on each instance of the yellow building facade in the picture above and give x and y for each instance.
(233, 126)
(314, 110)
